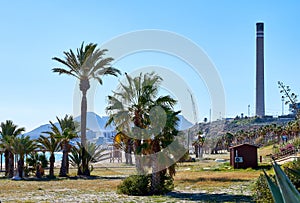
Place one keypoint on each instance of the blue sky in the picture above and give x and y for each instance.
(32, 32)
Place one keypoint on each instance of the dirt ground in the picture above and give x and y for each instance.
(202, 181)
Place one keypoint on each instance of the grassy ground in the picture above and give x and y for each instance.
(202, 181)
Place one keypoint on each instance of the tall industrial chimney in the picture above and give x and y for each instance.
(260, 87)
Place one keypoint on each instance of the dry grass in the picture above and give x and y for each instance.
(190, 179)
(264, 152)
(11, 188)
(207, 180)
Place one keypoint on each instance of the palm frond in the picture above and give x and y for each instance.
(66, 63)
(63, 71)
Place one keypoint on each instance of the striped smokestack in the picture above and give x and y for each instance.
(260, 87)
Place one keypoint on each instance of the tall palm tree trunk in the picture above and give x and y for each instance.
(67, 163)
(83, 118)
(52, 161)
(137, 142)
(6, 154)
(128, 151)
(84, 86)
(21, 166)
(196, 150)
(63, 167)
(155, 176)
(11, 165)
(137, 156)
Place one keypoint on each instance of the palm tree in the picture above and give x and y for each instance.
(198, 144)
(21, 146)
(37, 161)
(50, 144)
(161, 141)
(88, 63)
(131, 106)
(64, 133)
(8, 132)
(228, 140)
(94, 154)
(131, 109)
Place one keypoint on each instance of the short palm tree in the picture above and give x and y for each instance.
(228, 140)
(50, 144)
(9, 131)
(131, 109)
(94, 154)
(64, 133)
(130, 105)
(198, 143)
(23, 145)
(86, 64)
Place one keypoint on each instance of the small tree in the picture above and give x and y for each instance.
(64, 133)
(198, 144)
(94, 154)
(33, 159)
(9, 131)
(291, 97)
(50, 144)
(21, 146)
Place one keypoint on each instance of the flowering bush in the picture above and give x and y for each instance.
(287, 147)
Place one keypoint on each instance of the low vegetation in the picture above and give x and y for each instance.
(191, 184)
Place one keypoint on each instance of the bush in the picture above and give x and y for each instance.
(141, 185)
(167, 185)
(33, 159)
(296, 142)
(186, 158)
(135, 185)
(262, 192)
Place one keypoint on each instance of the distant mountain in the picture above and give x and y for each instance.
(34, 134)
(97, 123)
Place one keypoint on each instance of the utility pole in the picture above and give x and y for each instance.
(282, 107)
(248, 110)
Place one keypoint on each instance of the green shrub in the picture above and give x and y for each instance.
(262, 192)
(135, 185)
(168, 184)
(34, 158)
(186, 158)
(296, 142)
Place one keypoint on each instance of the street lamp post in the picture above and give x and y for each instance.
(282, 100)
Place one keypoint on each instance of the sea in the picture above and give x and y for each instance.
(58, 156)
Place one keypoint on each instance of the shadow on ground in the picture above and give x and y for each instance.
(205, 197)
(202, 179)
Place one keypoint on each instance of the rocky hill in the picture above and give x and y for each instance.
(221, 127)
